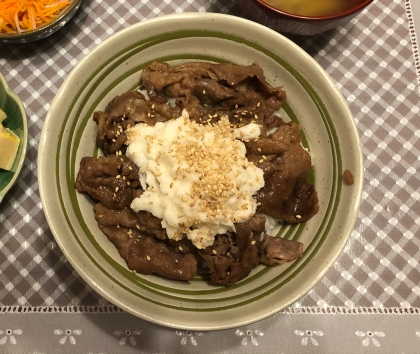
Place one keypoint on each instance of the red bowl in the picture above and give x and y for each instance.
(288, 23)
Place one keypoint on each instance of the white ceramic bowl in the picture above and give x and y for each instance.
(113, 68)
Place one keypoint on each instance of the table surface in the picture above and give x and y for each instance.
(369, 301)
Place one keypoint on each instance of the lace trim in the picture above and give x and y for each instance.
(355, 311)
(295, 311)
(60, 309)
(414, 41)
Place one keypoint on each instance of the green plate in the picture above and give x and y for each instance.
(313, 100)
(15, 121)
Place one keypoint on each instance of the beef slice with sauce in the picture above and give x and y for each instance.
(197, 84)
(146, 255)
(98, 178)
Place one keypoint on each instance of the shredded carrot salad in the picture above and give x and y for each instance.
(24, 15)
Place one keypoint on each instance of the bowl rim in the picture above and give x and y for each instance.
(74, 4)
(24, 140)
(291, 15)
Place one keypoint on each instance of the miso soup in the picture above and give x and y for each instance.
(313, 7)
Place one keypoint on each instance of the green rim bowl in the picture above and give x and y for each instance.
(11, 104)
(114, 67)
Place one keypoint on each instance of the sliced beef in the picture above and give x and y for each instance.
(286, 194)
(111, 217)
(125, 111)
(227, 262)
(276, 250)
(111, 180)
(251, 228)
(151, 224)
(146, 255)
(195, 85)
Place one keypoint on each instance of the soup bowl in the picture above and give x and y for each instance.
(289, 23)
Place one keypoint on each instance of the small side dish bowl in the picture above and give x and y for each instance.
(289, 23)
(11, 104)
(45, 30)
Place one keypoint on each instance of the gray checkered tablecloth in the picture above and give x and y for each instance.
(370, 299)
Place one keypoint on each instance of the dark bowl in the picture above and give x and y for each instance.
(288, 23)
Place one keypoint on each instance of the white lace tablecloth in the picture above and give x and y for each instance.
(369, 302)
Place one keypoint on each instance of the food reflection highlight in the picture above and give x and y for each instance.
(207, 137)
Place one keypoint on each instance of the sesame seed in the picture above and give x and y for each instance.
(253, 242)
(180, 248)
(204, 92)
(116, 189)
(298, 217)
(258, 104)
(134, 271)
(214, 252)
(148, 258)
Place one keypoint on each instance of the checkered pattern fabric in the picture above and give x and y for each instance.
(370, 59)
